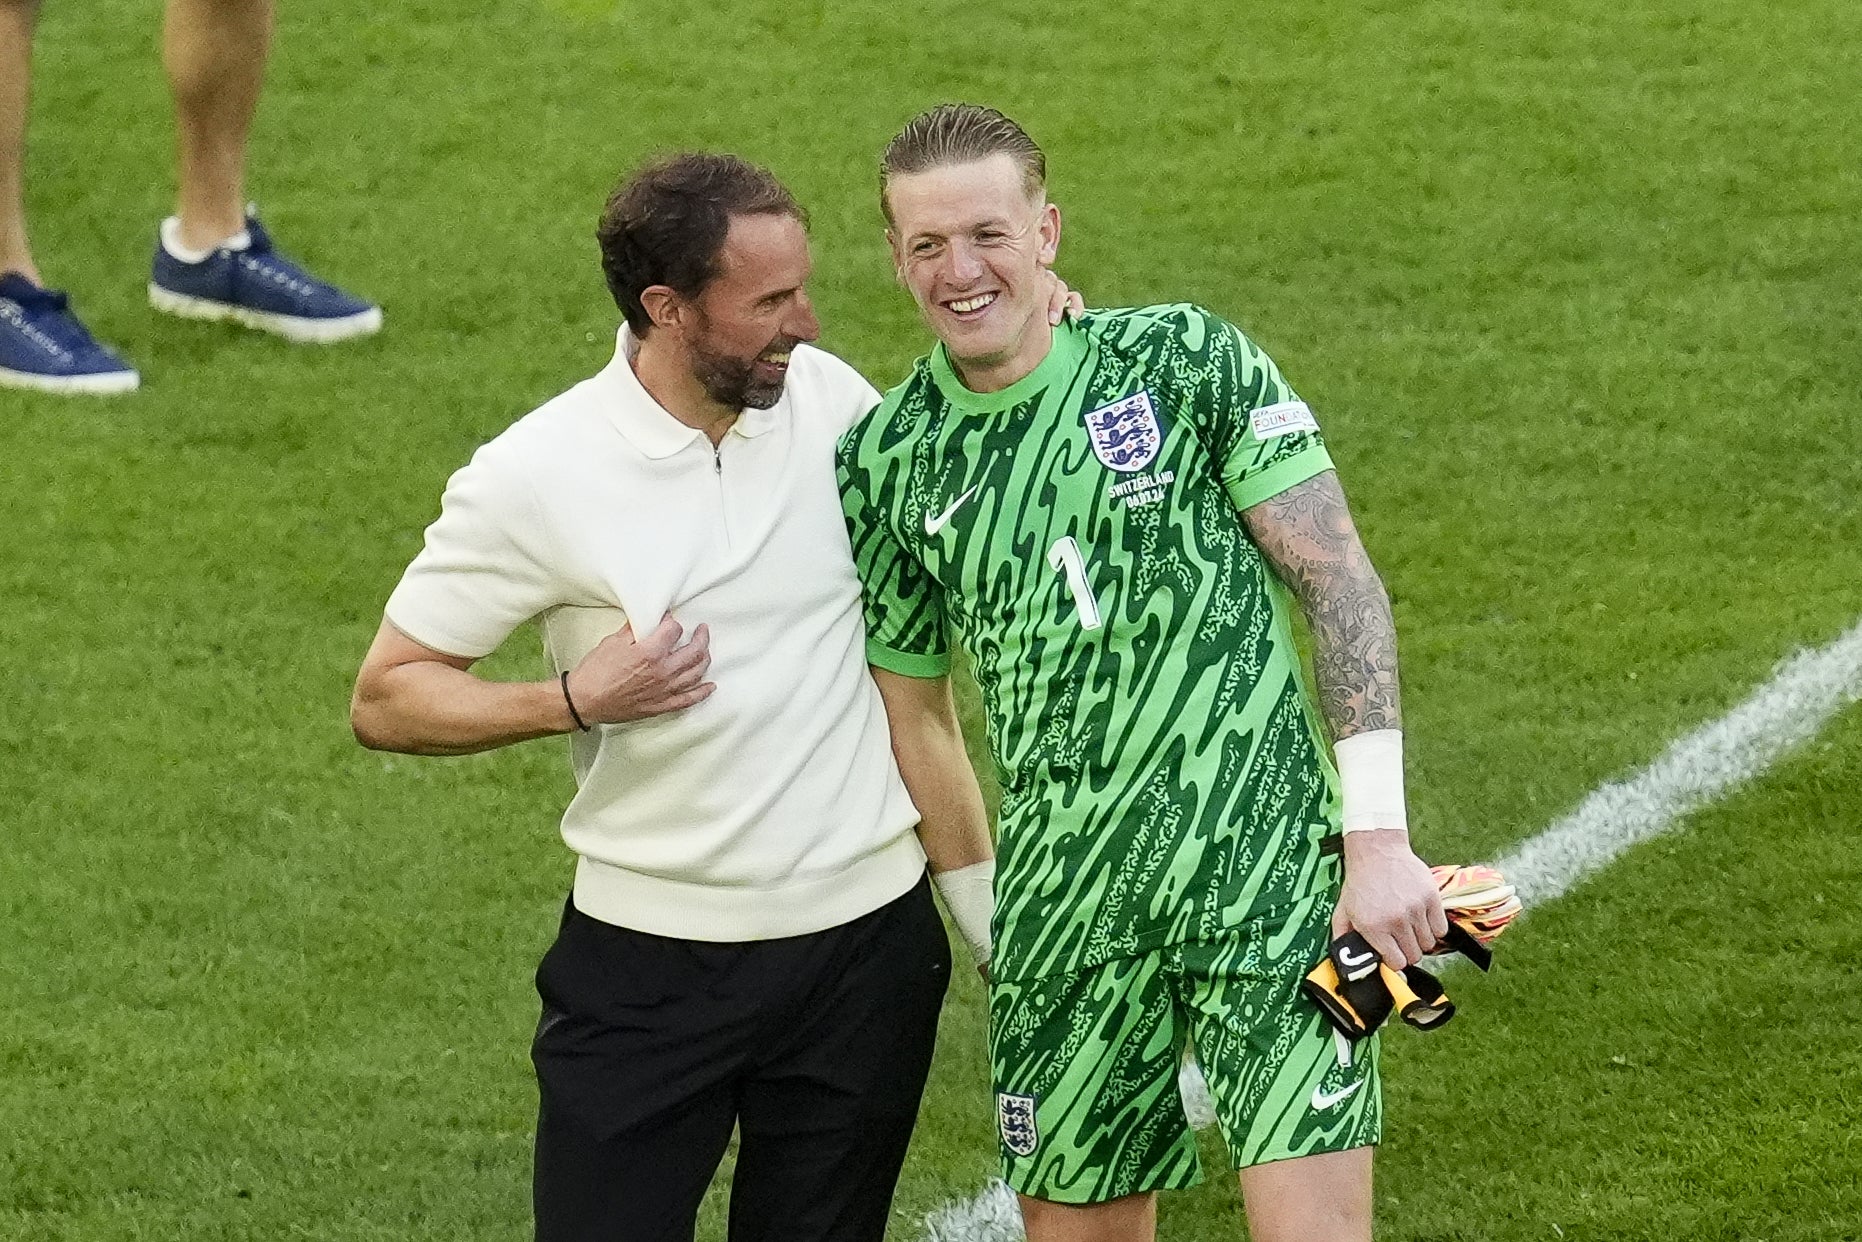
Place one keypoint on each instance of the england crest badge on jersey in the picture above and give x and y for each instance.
(1125, 435)
(1015, 1118)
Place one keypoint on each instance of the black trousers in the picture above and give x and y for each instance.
(815, 1048)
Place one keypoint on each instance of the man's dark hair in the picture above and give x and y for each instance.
(959, 133)
(665, 224)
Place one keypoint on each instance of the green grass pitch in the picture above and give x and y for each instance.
(1575, 290)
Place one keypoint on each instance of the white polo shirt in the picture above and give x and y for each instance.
(773, 808)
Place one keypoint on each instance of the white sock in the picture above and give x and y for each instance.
(171, 242)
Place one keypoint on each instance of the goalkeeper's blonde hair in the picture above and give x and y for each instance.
(959, 133)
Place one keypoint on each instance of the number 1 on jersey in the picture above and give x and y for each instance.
(1065, 556)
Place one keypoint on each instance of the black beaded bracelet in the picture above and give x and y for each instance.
(573, 714)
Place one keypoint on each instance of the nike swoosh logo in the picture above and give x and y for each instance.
(935, 524)
(1322, 1101)
(1344, 955)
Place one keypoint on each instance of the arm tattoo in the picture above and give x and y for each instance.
(1307, 535)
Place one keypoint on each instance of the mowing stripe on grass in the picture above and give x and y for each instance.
(1803, 693)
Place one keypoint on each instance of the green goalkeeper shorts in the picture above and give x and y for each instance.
(1086, 1063)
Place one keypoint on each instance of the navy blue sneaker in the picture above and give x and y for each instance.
(259, 288)
(44, 346)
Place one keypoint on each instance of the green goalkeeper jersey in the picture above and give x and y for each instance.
(1078, 534)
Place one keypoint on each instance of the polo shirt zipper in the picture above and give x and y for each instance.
(724, 512)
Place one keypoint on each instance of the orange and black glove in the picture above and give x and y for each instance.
(1357, 992)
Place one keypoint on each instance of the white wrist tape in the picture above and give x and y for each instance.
(969, 894)
(1370, 778)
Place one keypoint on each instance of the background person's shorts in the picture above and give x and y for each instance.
(1086, 1063)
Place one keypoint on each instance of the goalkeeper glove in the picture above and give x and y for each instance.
(1357, 992)
(1479, 904)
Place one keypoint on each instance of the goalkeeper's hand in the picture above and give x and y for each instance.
(1389, 898)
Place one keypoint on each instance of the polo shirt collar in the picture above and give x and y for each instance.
(646, 423)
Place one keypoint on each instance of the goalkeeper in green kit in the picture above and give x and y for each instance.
(1115, 518)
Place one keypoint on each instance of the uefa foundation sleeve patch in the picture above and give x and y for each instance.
(1015, 1118)
(1281, 418)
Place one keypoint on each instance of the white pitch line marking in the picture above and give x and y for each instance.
(1792, 706)
(1697, 770)
(989, 1217)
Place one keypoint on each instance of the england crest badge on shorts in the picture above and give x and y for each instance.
(1015, 1118)
(1125, 435)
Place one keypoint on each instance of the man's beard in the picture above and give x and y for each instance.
(732, 382)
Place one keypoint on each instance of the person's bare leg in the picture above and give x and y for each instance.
(1130, 1219)
(16, 22)
(1323, 1198)
(214, 52)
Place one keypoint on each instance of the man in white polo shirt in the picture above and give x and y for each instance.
(750, 941)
